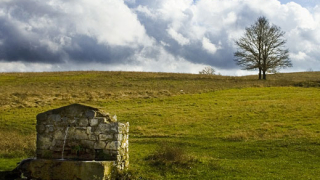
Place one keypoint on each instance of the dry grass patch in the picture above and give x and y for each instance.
(13, 144)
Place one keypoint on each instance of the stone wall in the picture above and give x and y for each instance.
(85, 133)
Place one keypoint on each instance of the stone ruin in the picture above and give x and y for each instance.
(79, 139)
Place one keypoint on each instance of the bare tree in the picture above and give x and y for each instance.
(207, 70)
(262, 48)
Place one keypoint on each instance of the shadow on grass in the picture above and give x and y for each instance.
(8, 175)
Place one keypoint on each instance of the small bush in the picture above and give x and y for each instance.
(168, 154)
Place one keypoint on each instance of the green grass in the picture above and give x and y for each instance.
(225, 127)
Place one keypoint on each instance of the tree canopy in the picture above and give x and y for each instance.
(262, 48)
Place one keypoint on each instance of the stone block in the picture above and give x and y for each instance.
(58, 135)
(94, 122)
(114, 152)
(87, 144)
(118, 137)
(44, 142)
(89, 130)
(80, 134)
(121, 127)
(103, 137)
(68, 170)
(44, 154)
(114, 128)
(41, 118)
(71, 131)
(72, 122)
(40, 129)
(92, 137)
(123, 145)
(102, 120)
(113, 145)
(90, 114)
(103, 128)
(54, 117)
(49, 128)
(83, 122)
(99, 145)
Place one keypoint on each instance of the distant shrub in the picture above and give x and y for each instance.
(207, 71)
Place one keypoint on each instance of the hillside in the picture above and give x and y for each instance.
(215, 126)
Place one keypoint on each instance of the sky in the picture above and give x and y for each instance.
(181, 36)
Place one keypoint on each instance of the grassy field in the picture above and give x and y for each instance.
(182, 126)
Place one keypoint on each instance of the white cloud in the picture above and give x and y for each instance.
(208, 46)
(178, 37)
(111, 22)
(300, 56)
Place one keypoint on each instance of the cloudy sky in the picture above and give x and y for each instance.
(148, 35)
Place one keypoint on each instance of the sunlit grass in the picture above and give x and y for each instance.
(229, 127)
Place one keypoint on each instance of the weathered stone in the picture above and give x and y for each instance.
(104, 128)
(99, 145)
(80, 134)
(103, 120)
(44, 154)
(121, 127)
(44, 142)
(58, 135)
(114, 118)
(123, 145)
(118, 137)
(87, 143)
(68, 170)
(94, 122)
(54, 117)
(90, 114)
(103, 137)
(57, 145)
(49, 128)
(64, 119)
(41, 118)
(40, 128)
(114, 152)
(72, 122)
(83, 122)
(89, 130)
(114, 128)
(71, 132)
(113, 145)
(93, 137)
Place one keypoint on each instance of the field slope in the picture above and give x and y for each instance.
(182, 126)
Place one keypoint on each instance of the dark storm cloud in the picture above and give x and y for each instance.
(84, 49)
(89, 50)
(16, 47)
(24, 37)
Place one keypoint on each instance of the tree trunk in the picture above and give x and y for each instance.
(264, 75)
(259, 73)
